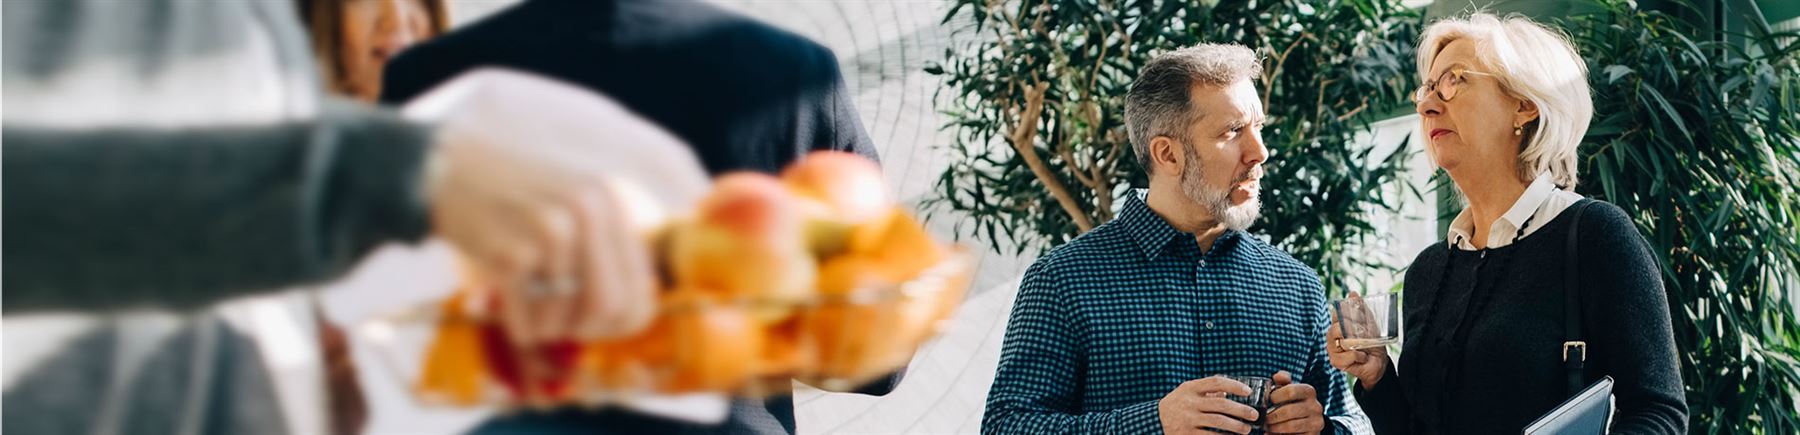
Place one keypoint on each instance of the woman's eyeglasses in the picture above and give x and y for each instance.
(1446, 85)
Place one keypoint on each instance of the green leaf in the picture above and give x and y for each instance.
(1668, 110)
(1614, 72)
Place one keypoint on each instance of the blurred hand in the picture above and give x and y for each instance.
(546, 189)
(1367, 365)
(1294, 408)
(1199, 406)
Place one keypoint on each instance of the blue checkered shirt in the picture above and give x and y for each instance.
(1109, 323)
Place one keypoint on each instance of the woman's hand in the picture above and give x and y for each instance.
(549, 192)
(1367, 365)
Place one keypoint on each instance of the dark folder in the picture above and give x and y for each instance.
(1585, 414)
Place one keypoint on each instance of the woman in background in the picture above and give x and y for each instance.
(1504, 105)
(353, 40)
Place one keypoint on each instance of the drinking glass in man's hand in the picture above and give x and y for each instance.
(1260, 387)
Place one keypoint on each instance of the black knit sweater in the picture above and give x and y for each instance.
(1510, 369)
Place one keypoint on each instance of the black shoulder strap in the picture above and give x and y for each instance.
(1574, 350)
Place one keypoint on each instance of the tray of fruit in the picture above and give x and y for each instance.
(812, 276)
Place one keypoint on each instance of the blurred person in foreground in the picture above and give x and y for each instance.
(352, 41)
(163, 156)
(1135, 326)
(1495, 334)
(743, 94)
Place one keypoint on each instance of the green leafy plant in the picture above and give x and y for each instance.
(1042, 153)
(1700, 142)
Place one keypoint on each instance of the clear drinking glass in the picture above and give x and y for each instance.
(1368, 321)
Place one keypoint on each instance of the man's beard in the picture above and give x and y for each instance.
(1218, 200)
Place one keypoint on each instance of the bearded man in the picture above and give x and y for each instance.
(1151, 322)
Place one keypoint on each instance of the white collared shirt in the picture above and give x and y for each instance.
(1541, 202)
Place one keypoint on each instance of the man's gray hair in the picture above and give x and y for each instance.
(1158, 103)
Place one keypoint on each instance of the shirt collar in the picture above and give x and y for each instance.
(1152, 234)
(1463, 227)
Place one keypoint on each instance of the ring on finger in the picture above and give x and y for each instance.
(554, 287)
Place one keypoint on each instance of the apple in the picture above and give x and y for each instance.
(744, 242)
(554, 364)
(838, 190)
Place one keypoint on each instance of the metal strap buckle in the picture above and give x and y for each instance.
(1574, 345)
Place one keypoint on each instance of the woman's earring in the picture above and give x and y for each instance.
(1518, 130)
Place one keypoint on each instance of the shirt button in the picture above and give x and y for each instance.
(1209, 324)
(1202, 263)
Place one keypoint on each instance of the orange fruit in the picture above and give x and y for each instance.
(453, 371)
(785, 351)
(898, 242)
(846, 275)
(715, 346)
(928, 301)
(853, 335)
(626, 365)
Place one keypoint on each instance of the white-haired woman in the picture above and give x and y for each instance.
(1504, 104)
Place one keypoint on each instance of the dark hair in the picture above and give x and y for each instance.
(324, 23)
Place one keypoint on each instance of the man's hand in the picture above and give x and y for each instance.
(1367, 365)
(1294, 408)
(1199, 407)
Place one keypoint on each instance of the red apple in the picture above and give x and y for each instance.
(849, 185)
(744, 242)
(838, 190)
(553, 365)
